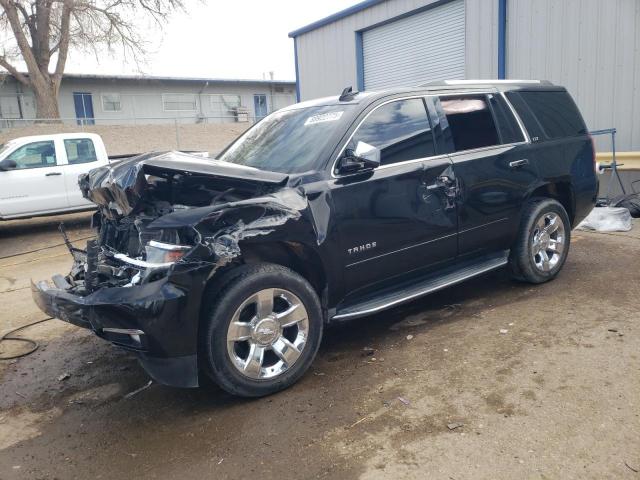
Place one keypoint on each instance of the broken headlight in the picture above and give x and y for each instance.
(159, 252)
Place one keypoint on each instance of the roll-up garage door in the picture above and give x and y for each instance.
(420, 48)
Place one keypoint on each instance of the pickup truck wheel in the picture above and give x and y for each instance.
(543, 242)
(263, 331)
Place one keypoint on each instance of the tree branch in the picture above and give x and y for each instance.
(24, 12)
(42, 30)
(63, 44)
(25, 49)
(13, 71)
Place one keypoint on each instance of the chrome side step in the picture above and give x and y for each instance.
(405, 292)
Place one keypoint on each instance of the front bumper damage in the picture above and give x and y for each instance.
(155, 320)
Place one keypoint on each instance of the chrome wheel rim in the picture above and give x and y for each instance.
(267, 333)
(548, 241)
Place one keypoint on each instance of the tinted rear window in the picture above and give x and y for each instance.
(526, 115)
(556, 112)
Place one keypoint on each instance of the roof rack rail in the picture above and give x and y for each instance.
(486, 82)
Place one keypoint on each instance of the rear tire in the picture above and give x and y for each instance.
(262, 331)
(542, 245)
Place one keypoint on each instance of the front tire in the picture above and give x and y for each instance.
(262, 331)
(542, 245)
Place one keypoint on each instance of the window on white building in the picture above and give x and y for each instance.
(179, 102)
(10, 106)
(224, 105)
(111, 102)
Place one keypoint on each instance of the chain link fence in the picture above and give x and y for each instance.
(125, 136)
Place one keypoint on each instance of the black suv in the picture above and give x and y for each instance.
(324, 211)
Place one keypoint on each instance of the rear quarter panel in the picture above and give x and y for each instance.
(570, 160)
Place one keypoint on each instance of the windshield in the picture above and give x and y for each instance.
(287, 141)
(4, 147)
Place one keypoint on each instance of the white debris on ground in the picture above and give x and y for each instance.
(608, 219)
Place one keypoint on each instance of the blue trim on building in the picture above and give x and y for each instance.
(502, 39)
(359, 62)
(295, 58)
(336, 16)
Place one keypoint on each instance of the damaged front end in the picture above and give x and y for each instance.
(166, 224)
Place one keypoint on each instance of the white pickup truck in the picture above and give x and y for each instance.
(39, 174)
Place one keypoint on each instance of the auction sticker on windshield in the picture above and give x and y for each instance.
(323, 117)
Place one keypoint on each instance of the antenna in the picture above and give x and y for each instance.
(347, 94)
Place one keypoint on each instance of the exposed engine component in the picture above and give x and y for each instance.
(156, 211)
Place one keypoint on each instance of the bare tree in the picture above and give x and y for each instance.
(45, 30)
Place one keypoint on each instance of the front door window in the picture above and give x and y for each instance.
(399, 129)
(34, 155)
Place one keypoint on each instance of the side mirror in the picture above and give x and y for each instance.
(364, 157)
(7, 164)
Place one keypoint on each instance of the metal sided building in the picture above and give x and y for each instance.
(592, 47)
(121, 99)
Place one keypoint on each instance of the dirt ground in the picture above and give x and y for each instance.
(126, 139)
(444, 395)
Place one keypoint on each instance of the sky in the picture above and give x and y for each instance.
(220, 39)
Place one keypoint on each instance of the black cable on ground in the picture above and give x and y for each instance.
(34, 345)
(44, 248)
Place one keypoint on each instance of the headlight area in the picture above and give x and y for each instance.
(163, 253)
(159, 256)
(128, 253)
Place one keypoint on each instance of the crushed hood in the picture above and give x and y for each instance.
(121, 187)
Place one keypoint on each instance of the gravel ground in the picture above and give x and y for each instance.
(126, 139)
(443, 395)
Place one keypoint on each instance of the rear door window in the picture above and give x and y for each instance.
(34, 155)
(507, 125)
(556, 112)
(400, 129)
(80, 150)
(469, 123)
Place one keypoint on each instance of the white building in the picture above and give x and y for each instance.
(108, 99)
(592, 47)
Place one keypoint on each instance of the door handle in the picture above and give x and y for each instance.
(52, 174)
(519, 163)
(442, 181)
(446, 180)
